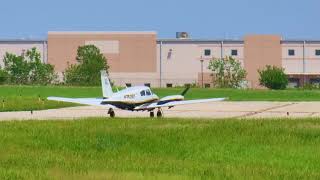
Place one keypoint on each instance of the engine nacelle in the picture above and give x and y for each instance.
(172, 98)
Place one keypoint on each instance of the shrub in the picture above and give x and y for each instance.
(28, 69)
(227, 72)
(273, 77)
(17, 68)
(3, 76)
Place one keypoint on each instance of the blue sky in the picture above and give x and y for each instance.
(217, 19)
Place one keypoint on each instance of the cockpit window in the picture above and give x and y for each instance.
(148, 92)
(143, 93)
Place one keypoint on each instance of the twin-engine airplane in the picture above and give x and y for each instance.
(138, 98)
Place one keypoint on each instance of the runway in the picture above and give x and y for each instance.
(213, 110)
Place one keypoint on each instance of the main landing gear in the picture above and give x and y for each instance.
(159, 113)
(111, 113)
(151, 114)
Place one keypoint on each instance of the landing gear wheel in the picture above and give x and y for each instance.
(159, 113)
(151, 114)
(111, 113)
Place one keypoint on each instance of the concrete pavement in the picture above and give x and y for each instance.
(207, 110)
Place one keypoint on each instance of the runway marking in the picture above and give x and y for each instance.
(264, 110)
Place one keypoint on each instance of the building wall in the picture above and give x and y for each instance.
(292, 64)
(18, 47)
(180, 60)
(126, 51)
(312, 61)
(259, 51)
(138, 58)
(305, 61)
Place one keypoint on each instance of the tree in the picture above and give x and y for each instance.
(273, 77)
(40, 73)
(28, 68)
(227, 72)
(17, 67)
(87, 71)
(3, 76)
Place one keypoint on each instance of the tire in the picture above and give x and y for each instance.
(151, 114)
(159, 114)
(112, 114)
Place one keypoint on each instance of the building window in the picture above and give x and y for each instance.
(315, 81)
(169, 85)
(147, 84)
(234, 52)
(207, 85)
(128, 85)
(293, 82)
(207, 52)
(291, 52)
(317, 52)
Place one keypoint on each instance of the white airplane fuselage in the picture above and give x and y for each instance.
(132, 97)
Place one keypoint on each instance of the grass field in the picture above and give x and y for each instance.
(27, 97)
(162, 149)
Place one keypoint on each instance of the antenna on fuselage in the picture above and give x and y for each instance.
(185, 90)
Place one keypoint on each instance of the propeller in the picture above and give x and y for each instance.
(185, 90)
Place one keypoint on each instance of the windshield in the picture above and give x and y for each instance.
(148, 92)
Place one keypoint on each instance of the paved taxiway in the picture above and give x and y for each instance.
(208, 110)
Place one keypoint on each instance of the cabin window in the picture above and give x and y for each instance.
(147, 84)
(169, 85)
(143, 93)
(148, 92)
(317, 52)
(207, 85)
(128, 85)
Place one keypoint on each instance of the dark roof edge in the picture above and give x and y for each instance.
(23, 40)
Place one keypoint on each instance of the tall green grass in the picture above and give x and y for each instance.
(163, 149)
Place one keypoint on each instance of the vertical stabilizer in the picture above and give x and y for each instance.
(106, 86)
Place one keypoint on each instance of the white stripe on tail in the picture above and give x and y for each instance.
(106, 86)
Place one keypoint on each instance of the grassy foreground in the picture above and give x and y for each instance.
(163, 149)
(27, 97)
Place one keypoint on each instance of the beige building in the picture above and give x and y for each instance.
(139, 58)
(20, 46)
(131, 55)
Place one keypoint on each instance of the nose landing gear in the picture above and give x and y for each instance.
(159, 113)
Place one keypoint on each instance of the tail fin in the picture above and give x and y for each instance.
(106, 86)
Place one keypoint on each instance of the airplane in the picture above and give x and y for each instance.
(138, 98)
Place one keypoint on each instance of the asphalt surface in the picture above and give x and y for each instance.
(207, 110)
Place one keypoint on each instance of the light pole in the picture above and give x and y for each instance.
(201, 60)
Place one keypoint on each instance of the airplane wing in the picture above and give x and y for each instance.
(176, 103)
(85, 101)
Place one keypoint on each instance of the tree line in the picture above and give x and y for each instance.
(28, 68)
